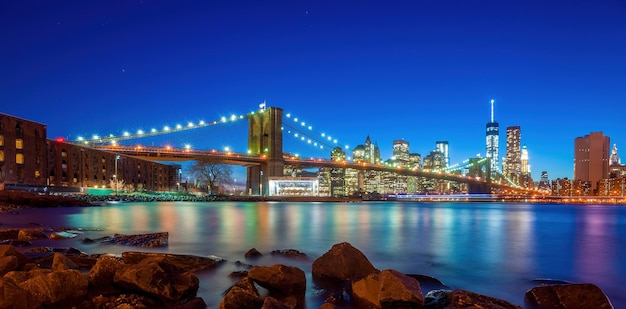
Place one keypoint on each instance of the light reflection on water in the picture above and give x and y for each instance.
(495, 249)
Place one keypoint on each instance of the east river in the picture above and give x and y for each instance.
(490, 248)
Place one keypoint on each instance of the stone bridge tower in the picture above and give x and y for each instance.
(480, 167)
(265, 138)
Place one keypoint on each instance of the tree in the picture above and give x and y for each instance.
(211, 172)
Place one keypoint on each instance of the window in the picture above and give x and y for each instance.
(19, 143)
(18, 129)
(37, 174)
(63, 153)
(19, 158)
(1, 155)
(1, 140)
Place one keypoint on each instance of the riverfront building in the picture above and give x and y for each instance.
(512, 165)
(31, 161)
(591, 158)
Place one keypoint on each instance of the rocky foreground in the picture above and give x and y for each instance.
(68, 278)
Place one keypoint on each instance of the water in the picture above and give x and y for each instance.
(493, 249)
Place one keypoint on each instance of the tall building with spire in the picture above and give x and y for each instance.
(492, 138)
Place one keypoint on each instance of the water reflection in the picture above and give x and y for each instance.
(496, 249)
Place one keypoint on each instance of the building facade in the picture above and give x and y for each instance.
(492, 141)
(512, 166)
(442, 146)
(591, 158)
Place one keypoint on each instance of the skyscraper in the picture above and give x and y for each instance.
(401, 150)
(442, 146)
(525, 165)
(591, 158)
(493, 135)
(513, 166)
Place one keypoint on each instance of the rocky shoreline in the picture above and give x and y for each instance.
(50, 277)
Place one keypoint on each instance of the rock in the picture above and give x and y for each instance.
(273, 303)
(194, 303)
(101, 275)
(328, 306)
(286, 280)
(61, 262)
(428, 283)
(399, 291)
(458, 299)
(57, 289)
(252, 253)
(62, 235)
(31, 234)
(8, 263)
(6, 234)
(12, 296)
(159, 277)
(238, 274)
(16, 243)
(584, 295)
(341, 262)
(185, 262)
(6, 250)
(242, 295)
(22, 276)
(291, 253)
(140, 240)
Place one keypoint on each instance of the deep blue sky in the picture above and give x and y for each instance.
(419, 70)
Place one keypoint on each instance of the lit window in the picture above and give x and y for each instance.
(19, 143)
(1, 155)
(19, 158)
(1, 140)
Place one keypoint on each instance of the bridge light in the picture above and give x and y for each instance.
(190, 124)
(310, 128)
(265, 150)
(96, 137)
(323, 134)
(308, 141)
(288, 115)
(315, 144)
(329, 138)
(321, 146)
(168, 148)
(233, 117)
(240, 116)
(302, 138)
(187, 146)
(166, 128)
(295, 134)
(249, 151)
(201, 122)
(347, 147)
(227, 149)
(178, 126)
(223, 119)
(80, 138)
(153, 130)
(303, 124)
(140, 132)
(126, 134)
(335, 141)
(295, 119)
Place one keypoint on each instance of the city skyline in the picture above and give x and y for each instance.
(420, 72)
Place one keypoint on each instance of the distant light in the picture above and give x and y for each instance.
(303, 124)
(347, 147)
(329, 138)
(233, 117)
(308, 141)
(201, 122)
(288, 115)
(295, 134)
(223, 119)
(166, 128)
(187, 146)
(190, 124)
(323, 134)
(60, 139)
(140, 132)
(227, 149)
(126, 134)
(310, 128)
(295, 119)
(153, 130)
(492, 101)
(178, 126)
(302, 138)
(80, 138)
(96, 137)
(335, 141)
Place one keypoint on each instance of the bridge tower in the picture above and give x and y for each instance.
(265, 138)
(480, 167)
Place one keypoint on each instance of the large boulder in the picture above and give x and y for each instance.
(140, 240)
(185, 262)
(6, 250)
(61, 262)
(158, 277)
(285, 280)
(252, 253)
(341, 262)
(8, 263)
(458, 299)
(7, 234)
(12, 296)
(101, 275)
(568, 296)
(31, 234)
(57, 289)
(388, 289)
(242, 295)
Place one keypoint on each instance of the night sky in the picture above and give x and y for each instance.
(422, 71)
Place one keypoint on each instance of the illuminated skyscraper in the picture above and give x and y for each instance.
(591, 158)
(513, 163)
(525, 165)
(493, 135)
(401, 150)
(442, 146)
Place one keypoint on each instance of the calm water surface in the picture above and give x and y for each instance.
(494, 249)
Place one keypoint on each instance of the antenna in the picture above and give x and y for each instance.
(492, 109)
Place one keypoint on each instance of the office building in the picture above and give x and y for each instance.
(442, 146)
(492, 139)
(401, 150)
(591, 158)
(525, 165)
(512, 166)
